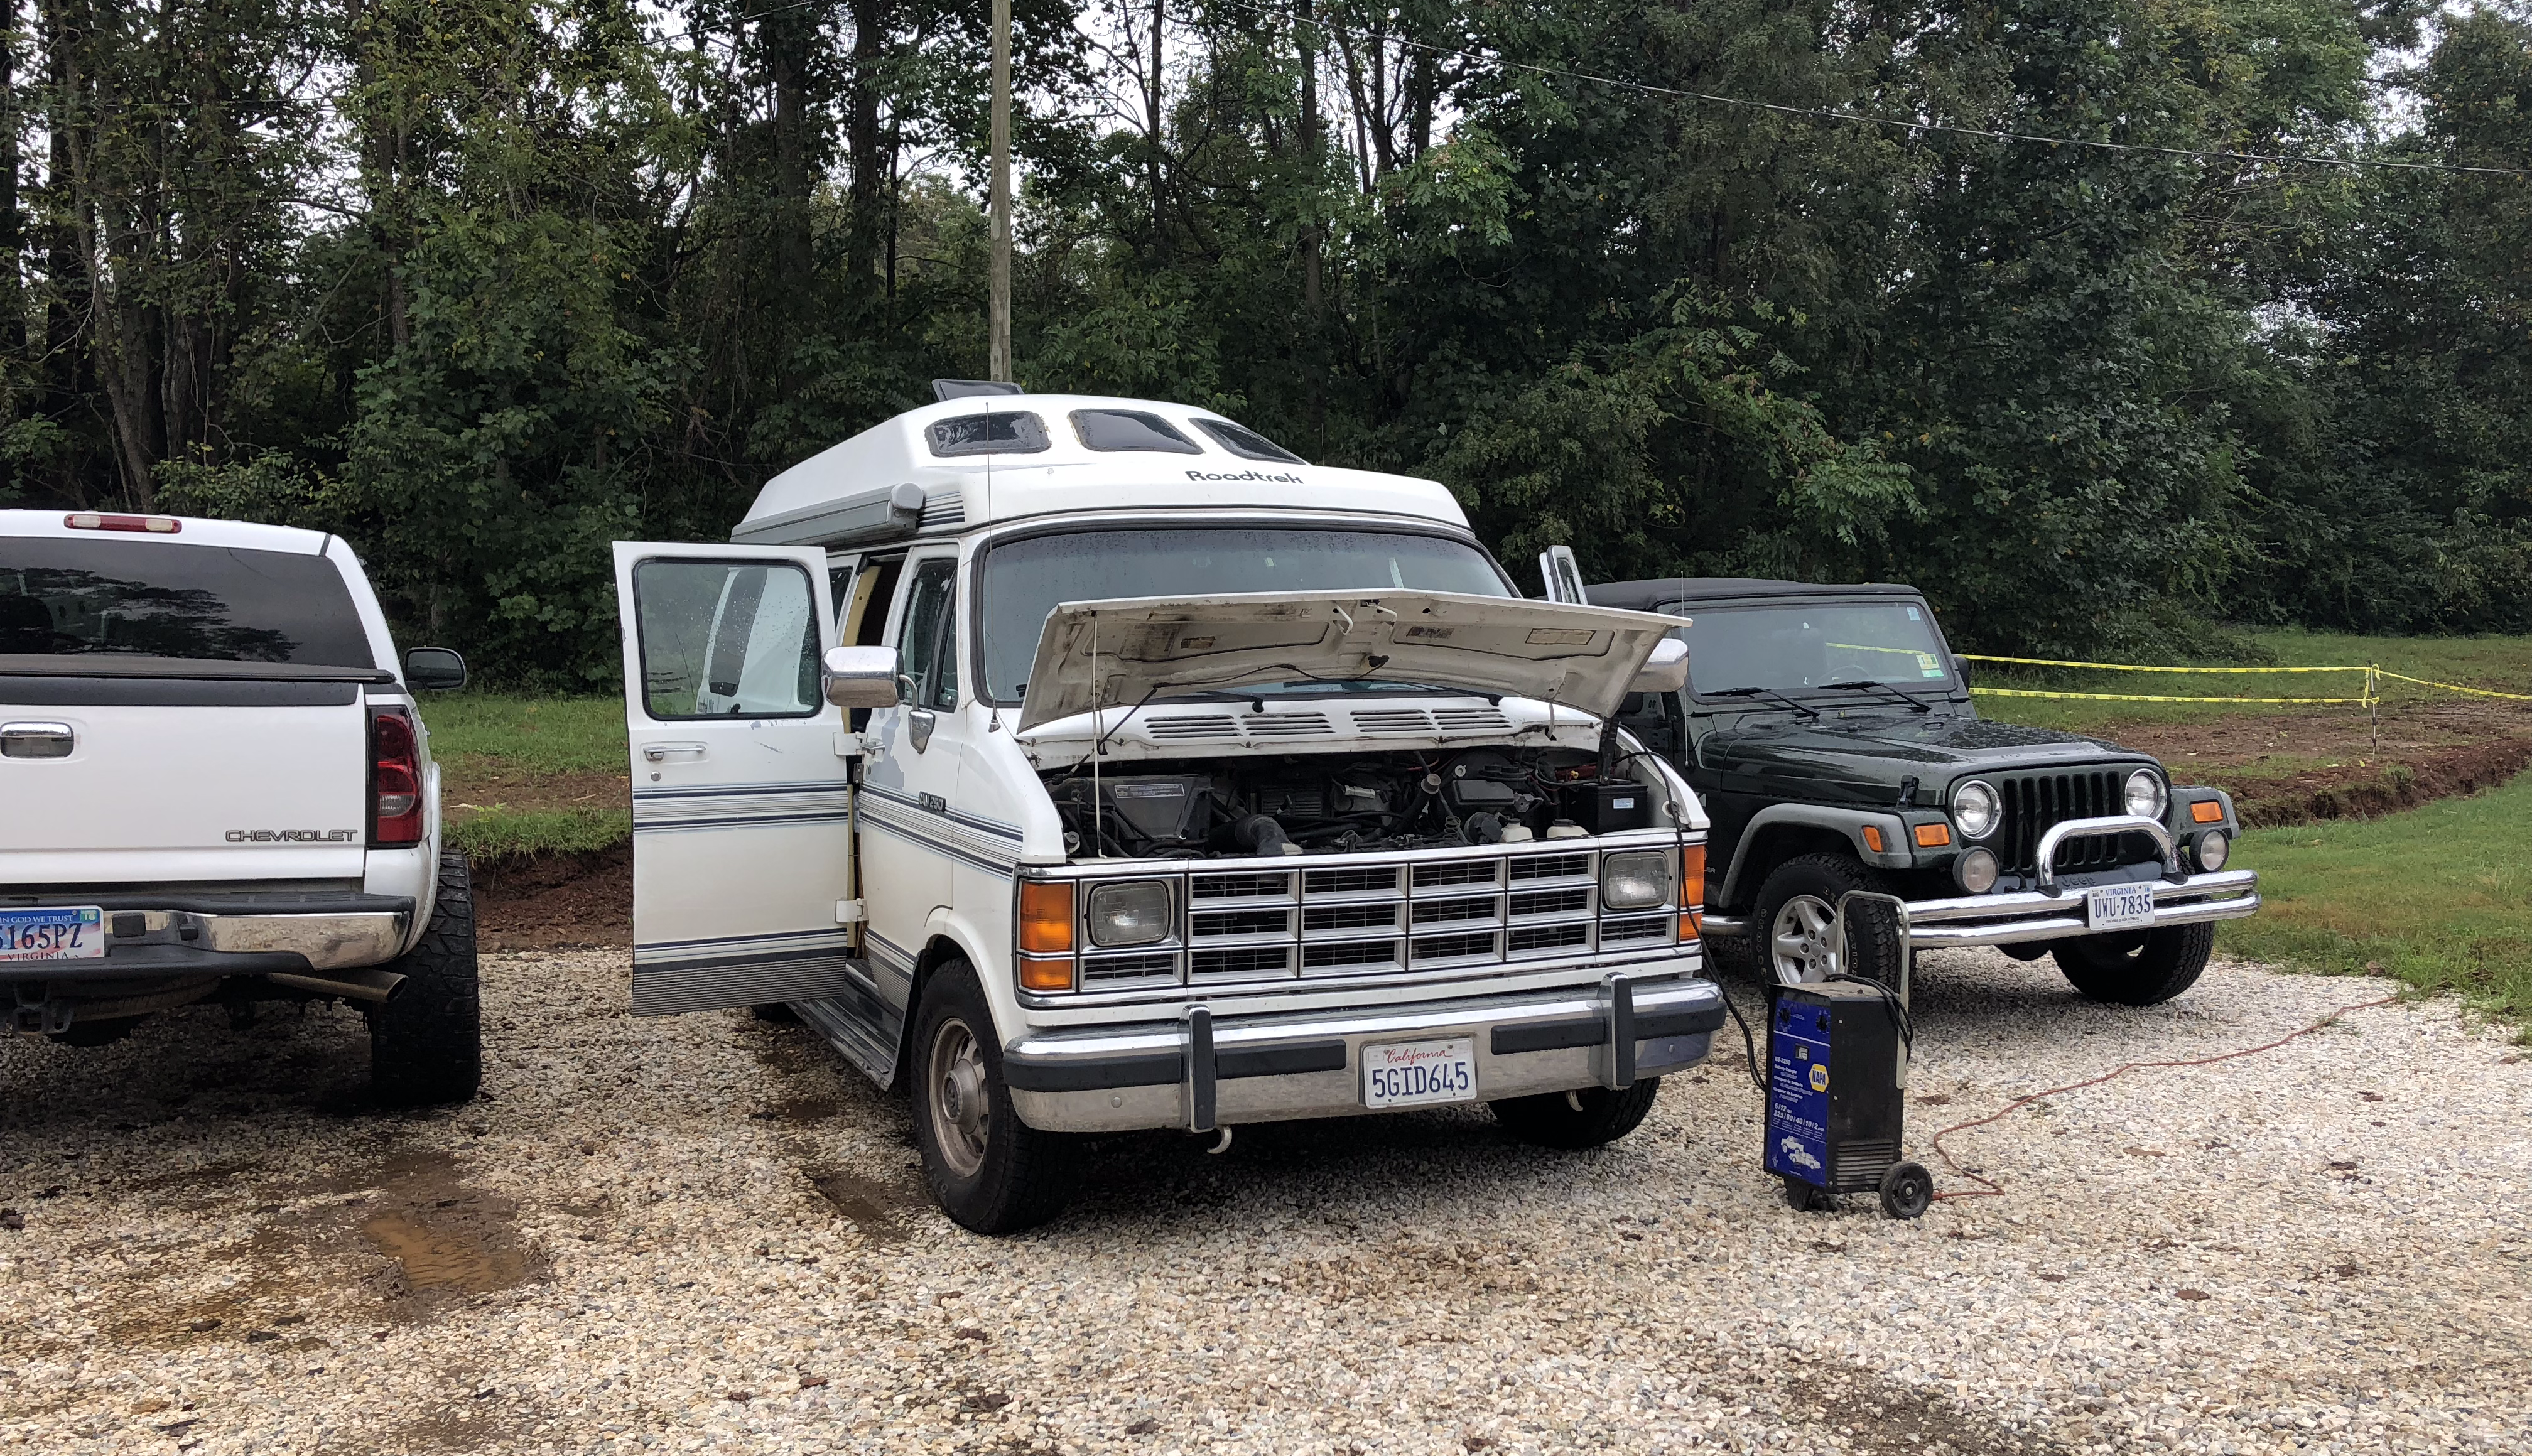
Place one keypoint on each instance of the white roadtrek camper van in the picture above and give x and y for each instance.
(1088, 765)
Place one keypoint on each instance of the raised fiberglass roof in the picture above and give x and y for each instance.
(960, 463)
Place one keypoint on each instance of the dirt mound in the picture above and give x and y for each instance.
(2364, 793)
(539, 902)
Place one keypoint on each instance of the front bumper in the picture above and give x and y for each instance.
(2020, 918)
(1200, 1072)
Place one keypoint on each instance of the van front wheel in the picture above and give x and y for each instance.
(987, 1170)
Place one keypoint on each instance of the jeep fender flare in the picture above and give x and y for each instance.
(1848, 823)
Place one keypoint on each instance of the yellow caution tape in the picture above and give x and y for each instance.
(2138, 667)
(2454, 686)
(2148, 696)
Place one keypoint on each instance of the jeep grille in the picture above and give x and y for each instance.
(2035, 803)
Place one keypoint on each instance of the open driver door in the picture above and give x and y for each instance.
(743, 890)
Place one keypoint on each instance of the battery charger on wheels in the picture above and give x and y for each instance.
(1837, 1062)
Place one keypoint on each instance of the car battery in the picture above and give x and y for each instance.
(1836, 1096)
(1612, 805)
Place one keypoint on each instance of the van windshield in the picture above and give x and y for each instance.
(1811, 646)
(160, 599)
(1021, 582)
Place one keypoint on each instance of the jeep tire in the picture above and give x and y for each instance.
(1552, 1120)
(2142, 968)
(426, 1042)
(989, 1172)
(1790, 930)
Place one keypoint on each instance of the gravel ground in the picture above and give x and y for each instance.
(706, 1234)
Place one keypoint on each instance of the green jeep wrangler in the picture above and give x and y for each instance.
(1830, 732)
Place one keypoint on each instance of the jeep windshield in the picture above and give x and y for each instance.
(1020, 581)
(1815, 648)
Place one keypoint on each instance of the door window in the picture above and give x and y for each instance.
(724, 639)
(929, 646)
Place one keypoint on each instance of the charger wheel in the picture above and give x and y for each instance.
(1907, 1190)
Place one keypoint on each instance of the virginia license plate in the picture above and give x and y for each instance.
(53, 932)
(2118, 907)
(1408, 1074)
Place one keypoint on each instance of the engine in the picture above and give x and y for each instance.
(1333, 804)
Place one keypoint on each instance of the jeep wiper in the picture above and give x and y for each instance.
(1805, 709)
(1867, 683)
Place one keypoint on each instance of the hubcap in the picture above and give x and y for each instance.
(961, 1110)
(1802, 941)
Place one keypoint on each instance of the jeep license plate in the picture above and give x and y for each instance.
(2118, 907)
(1411, 1073)
(53, 932)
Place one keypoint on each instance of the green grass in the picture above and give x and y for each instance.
(2502, 663)
(2439, 897)
(481, 737)
(559, 734)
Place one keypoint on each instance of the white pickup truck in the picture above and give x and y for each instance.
(1087, 764)
(214, 788)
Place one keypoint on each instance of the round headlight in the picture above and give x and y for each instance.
(1634, 881)
(2214, 849)
(1976, 871)
(2147, 797)
(1135, 912)
(1974, 809)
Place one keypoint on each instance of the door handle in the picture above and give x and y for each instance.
(919, 723)
(36, 740)
(662, 752)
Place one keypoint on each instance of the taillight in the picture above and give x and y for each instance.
(99, 521)
(395, 780)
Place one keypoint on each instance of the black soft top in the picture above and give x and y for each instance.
(1661, 591)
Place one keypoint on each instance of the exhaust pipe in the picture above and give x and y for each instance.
(374, 987)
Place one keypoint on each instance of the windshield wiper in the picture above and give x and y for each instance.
(1805, 709)
(1869, 685)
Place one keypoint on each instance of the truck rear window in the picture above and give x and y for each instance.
(156, 599)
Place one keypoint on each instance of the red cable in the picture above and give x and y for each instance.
(1992, 1191)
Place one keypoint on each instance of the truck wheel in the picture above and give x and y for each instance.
(987, 1170)
(426, 1046)
(1553, 1120)
(1796, 919)
(2139, 968)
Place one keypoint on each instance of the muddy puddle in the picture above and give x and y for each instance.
(880, 1212)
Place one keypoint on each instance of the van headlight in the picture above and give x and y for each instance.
(1974, 809)
(2147, 797)
(1135, 912)
(1634, 881)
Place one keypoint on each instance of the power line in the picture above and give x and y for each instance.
(1831, 113)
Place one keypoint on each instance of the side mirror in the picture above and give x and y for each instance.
(1961, 668)
(1665, 671)
(859, 677)
(434, 669)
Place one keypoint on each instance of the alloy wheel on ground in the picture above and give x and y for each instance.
(1802, 941)
(959, 1105)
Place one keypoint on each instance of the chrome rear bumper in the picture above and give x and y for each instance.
(1202, 1072)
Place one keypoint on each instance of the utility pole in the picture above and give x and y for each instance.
(997, 353)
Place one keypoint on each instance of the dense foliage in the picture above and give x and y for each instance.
(483, 284)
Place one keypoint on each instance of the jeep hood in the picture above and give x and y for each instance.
(1111, 654)
(1911, 743)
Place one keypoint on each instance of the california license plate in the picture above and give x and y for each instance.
(1409, 1074)
(53, 932)
(2118, 907)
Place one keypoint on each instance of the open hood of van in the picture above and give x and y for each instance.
(1117, 653)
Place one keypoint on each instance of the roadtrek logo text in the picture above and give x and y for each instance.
(1278, 479)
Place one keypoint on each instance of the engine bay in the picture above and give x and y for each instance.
(1340, 802)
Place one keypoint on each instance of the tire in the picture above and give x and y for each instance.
(2138, 969)
(1907, 1190)
(1551, 1121)
(1797, 907)
(427, 1044)
(989, 1172)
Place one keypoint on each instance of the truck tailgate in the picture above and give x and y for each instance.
(182, 780)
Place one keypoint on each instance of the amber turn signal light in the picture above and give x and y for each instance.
(1873, 838)
(1691, 891)
(1046, 919)
(2207, 811)
(1044, 974)
(1933, 836)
